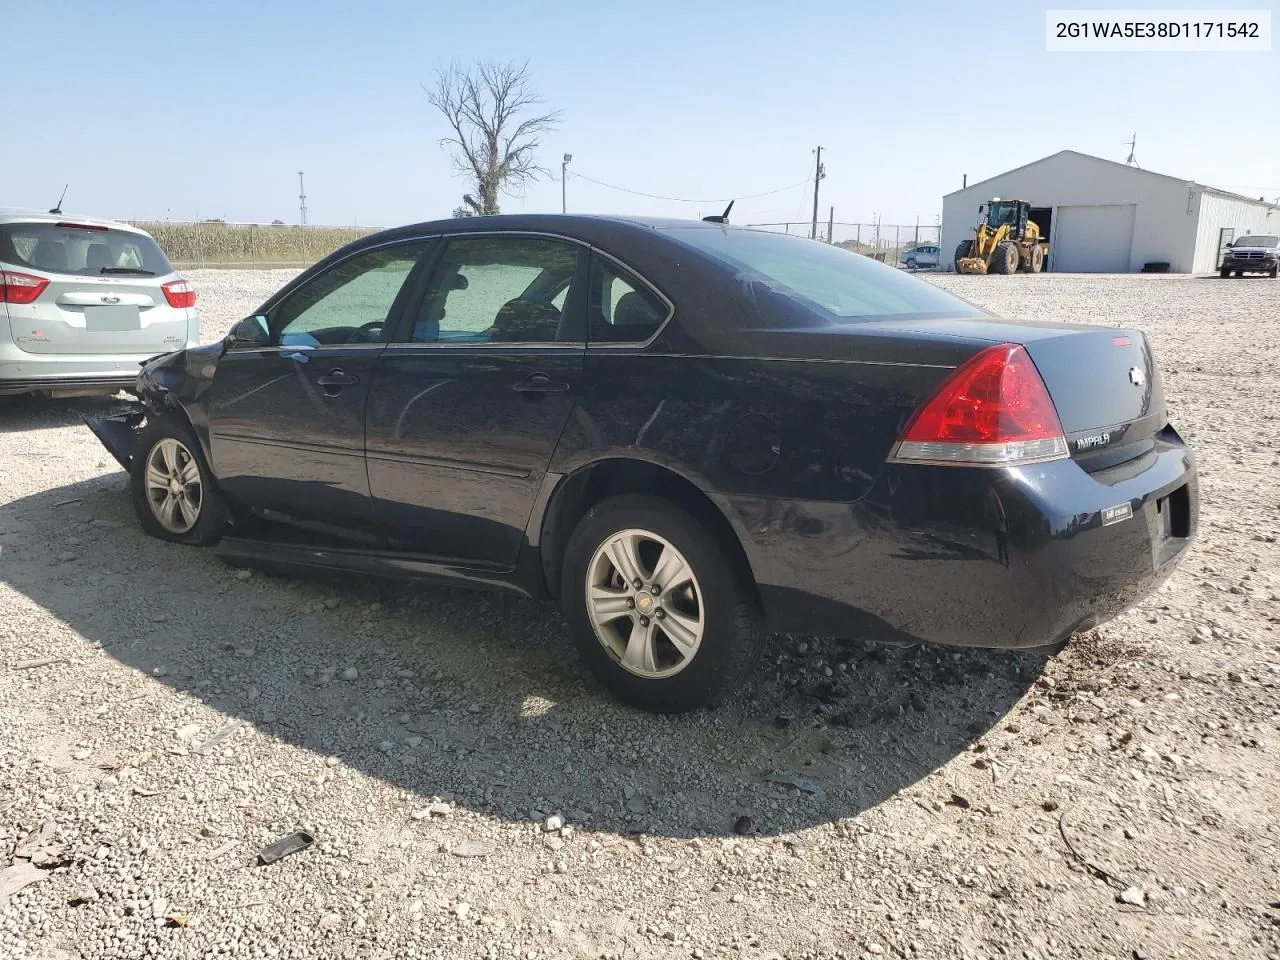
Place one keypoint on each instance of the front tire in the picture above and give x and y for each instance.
(1005, 259)
(660, 609)
(172, 488)
(1224, 273)
(963, 249)
(911, 263)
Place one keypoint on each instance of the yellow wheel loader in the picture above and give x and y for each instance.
(1007, 241)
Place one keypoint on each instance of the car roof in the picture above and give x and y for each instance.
(554, 223)
(18, 215)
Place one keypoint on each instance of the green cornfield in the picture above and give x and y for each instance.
(235, 244)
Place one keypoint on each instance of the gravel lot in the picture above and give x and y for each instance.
(473, 795)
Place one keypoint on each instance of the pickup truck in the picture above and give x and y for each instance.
(1251, 254)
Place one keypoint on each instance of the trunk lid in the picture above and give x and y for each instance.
(1107, 389)
(1104, 381)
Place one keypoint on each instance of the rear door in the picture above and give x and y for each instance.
(467, 408)
(104, 291)
(286, 421)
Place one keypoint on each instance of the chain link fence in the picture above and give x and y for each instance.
(891, 243)
(218, 243)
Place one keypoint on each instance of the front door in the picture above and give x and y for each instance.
(467, 407)
(286, 421)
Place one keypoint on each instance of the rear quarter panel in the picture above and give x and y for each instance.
(762, 438)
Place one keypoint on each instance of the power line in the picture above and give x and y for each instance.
(654, 196)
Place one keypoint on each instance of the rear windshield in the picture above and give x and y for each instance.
(843, 285)
(80, 250)
(1258, 242)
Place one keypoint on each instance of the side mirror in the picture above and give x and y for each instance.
(252, 331)
(982, 207)
(1230, 244)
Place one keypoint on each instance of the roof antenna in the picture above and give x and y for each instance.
(723, 218)
(1132, 161)
(57, 209)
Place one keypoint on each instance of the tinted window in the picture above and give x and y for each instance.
(82, 251)
(350, 302)
(621, 308)
(840, 284)
(497, 290)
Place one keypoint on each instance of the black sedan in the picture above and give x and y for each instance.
(689, 433)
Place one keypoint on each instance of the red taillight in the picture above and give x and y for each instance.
(81, 226)
(179, 293)
(20, 287)
(994, 410)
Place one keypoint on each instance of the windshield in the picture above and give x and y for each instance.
(998, 214)
(1258, 242)
(840, 284)
(81, 250)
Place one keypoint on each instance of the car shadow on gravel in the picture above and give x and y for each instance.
(479, 699)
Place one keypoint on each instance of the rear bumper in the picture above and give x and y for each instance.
(27, 372)
(1018, 558)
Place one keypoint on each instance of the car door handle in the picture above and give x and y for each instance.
(540, 383)
(335, 380)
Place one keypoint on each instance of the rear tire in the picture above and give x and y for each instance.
(911, 263)
(962, 251)
(1005, 259)
(172, 487)
(709, 605)
(1036, 260)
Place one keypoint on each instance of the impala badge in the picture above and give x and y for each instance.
(1137, 377)
(110, 299)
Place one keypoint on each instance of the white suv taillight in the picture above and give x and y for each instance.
(20, 287)
(179, 293)
(992, 411)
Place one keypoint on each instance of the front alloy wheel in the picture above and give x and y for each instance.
(174, 490)
(645, 604)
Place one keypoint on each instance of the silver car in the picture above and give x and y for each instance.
(83, 302)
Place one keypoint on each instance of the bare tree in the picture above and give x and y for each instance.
(494, 139)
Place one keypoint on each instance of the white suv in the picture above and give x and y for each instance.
(83, 302)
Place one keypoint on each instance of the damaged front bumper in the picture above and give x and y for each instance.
(118, 430)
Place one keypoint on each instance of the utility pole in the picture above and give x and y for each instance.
(302, 201)
(818, 174)
(564, 166)
(831, 225)
(965, 182)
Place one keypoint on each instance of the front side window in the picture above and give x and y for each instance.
(81, 250)
(497, 290)
(350, 302)
(620, 308)
(837, 284)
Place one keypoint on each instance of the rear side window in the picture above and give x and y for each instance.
(81, 250)
(620, 307)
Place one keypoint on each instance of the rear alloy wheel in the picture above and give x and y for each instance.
(1005, 259)
(659, 610)
(172, 493)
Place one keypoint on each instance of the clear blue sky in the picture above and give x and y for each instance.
(151, 108)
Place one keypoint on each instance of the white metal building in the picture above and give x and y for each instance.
(1107, 217)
